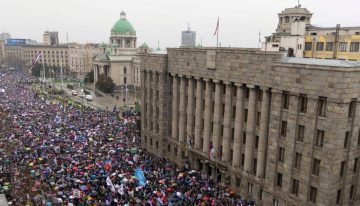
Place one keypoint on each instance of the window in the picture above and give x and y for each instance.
(352, 192)
(124, 70)
(242, 159)
(297, 163)
(351, 108)
(313, 194)
(295, 187)
(259, 95)
(329, 46)
(315, 167)
(343, 46)
(245, 115)
(275, 202)
(285, 102)
(287, 19)
(125, 80)
(322, 106)
(342, 168)
(301, 130)
(234, 112)
(303, 103)
(244, 138)
(354, 46)
(256, 142)
(319, 140)
(237, 182)
(250, 188)
(308, 46)
(355, 165)
(338, 196)
(283, 128)
(279, 179)
(258, 118)
(247, 92)
(346, 140)
(358, 143)
(320, 46)
(281, 154)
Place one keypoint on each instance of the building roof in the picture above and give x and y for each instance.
(297, 10)
(321, 62)
(101, 57)
(144, 46)
(123, 26)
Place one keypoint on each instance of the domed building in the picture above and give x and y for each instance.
(119, 59)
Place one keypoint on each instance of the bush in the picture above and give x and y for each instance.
(70, 86)
(105, 84)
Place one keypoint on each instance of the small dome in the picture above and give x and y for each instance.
(144, 46)
(114, 45)
(108, 51)
(123, 26)
(103, 45)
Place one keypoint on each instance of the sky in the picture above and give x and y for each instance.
(162, 21)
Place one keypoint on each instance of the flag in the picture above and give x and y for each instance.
(139, 174)
(110, 184)
(36, 59)
(211, 152)
(57, 120)
(114, 108)
(190, 141)
(217, 28)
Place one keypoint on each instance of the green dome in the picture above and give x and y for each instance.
(144, 46)
(103, 45)
(114, 45)
(123, 26)
(108, 51)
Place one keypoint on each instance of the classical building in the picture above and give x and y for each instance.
(283, 131)
(299, 38)
(119, 59)
(81, 58)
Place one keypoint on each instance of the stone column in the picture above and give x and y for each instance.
(198, 113)
(143, 105)
(148, 92)
(182, 110)
(227, 123)
(190, 109)
(155, 121)
(263, 133)
(238, 125)
(250, 129)
(217, 119)
(207, 116)
(175, 90)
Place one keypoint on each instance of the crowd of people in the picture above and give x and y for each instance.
(59, 153)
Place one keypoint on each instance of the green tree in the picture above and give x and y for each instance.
(38, 70)
(105, 84)
(89, 78)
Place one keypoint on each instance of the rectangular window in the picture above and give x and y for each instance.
(244, 138)
(316, 167)
(354, 46)
(343, 46)
(281, 154)
(256, 142)
(346, 140)
(320, 46)
(234, 112)
(283, 128)
(352, 192)
(351, 110)
(297, 163)
(313, 194)
(247, 92)
(329, 46)
(285, 103)
(301, 131)
(295, 187)
(355, 165)
(319, 140)
(237, 182)
(242, 159)
(322, 107)
(259, 95)
(342, 168)
(245, 115)
(308, 46)
(303, 103)
(338, 196)
(258, 118)
(279, 180)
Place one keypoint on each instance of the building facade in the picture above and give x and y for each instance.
(119, 59)
(54, 56)
(2, 52)
(50, 38)
(283, 131)
(188, 38)
(81, 58)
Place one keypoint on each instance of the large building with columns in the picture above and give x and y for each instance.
(282, 131)
(119, 59)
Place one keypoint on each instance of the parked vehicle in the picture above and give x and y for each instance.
(89, 97)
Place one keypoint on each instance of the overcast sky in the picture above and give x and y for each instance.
(163, 20)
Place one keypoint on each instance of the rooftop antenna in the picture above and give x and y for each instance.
(188, 26)
(299, 5)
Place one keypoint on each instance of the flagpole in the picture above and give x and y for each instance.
(217, 34)
(42, 54)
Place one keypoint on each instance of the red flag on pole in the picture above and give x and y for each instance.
(217, 27)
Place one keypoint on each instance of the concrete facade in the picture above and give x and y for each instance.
(283, 134)
(81, 58)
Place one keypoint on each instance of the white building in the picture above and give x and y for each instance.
(81, 58)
